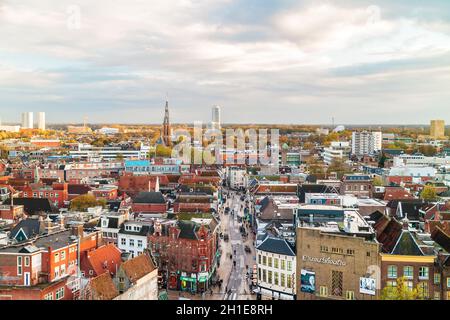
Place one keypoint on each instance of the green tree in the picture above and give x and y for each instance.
(338, 166)
(162, 151)
(402, 292)
(85, 201)
(428, 193)
(378, 182)
(382, 161)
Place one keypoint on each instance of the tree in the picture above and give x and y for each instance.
(162, 151)
(427, 150)
(428, 193)
(85, 201)
(338, 166)
(382, 161)
(378, 182)
(402, 292)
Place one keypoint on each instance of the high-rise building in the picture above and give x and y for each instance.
(215, 119)
(166, 126)
(41, 120)
(437, 129)
(366, 142)
(27, 120)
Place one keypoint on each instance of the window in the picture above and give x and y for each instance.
(350, 252)
(448, 295)
(48, 296)
(410, 285)
(19, 266)
(437, 278)
(282, 279)
(324, 248)
(350, 295)
(123, 241)
(392, 272)
(259, 274)
(259, 259)
(63, 269)
(289, 281)
(269, 260)
(408, 272)
(131, 242)
(275, 263)
(27, 261)
(56, 272)
(423, 273)
(275, 278)
(437, 295)
(289, 266)
(391, 284)
(264, 275)
(269, 277)
(63, 255)
(368, 253)
(448, 282)
(323, 291)
(283, 264)
(423, 290)
(264, 261)
(336, 283)
(60, 293)
(139, 243)
(56, 257)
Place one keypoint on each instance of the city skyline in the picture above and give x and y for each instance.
(277, 62)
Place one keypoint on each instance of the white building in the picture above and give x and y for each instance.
(110, 225)
(237, 177)
(41, 121)
(10, 128)
(108, 131)
(27, 120)
(87, 151)
(215, 119)
(338, 150)
(419, 160)
(132, 237)
(366, 142)
(276, 265)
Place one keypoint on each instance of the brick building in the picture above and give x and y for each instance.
(44, 268)
(185, 252)
(337, 263)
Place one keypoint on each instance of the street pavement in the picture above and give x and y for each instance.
(238, 283)
(235, 284)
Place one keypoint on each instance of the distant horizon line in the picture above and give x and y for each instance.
(228, 124)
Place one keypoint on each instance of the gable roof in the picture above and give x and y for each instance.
(34, 205)
(149, 197)
(138, 267)
(103, 288)
(441, 238)
(187, 229)
(78, 189)
(30, 227)
(277, 245)
(406, 245)
(388, 234)
(104, 259)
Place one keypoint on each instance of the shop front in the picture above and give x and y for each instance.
(188, 282)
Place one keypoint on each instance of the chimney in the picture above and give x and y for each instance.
(77, 230)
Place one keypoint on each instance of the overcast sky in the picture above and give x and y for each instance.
(263, 61)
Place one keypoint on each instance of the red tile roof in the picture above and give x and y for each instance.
(138, 267)
(103, 259)
(103, 288)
